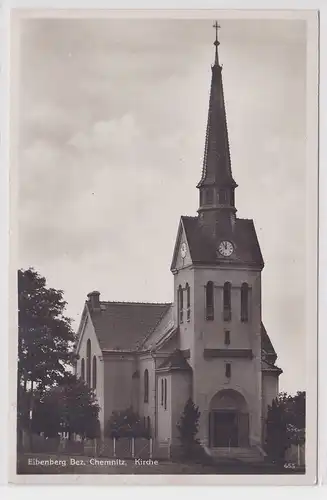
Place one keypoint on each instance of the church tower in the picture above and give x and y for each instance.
(217, 186)
(217, 266)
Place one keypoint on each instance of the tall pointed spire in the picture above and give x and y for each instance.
(216, 43)
(217, 184)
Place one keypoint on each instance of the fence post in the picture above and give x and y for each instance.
(151, 447)
(298, 455)
(114, 444)
(133, 447)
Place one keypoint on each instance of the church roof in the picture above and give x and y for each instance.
(203, 245)
(164, 340)
(127, 326)
(175, 361)
(268, 367)
(267, 349)
(123, 325)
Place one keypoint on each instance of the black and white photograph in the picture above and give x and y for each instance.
(164, 213)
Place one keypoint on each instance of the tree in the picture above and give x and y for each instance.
(126, 423)
(285, 424)
(46, 417)
(80, 409)
(188, 427)
(45, 342)
(277, 440)
(23, 413)
(45, 337)
(294, 409)
(68, 407)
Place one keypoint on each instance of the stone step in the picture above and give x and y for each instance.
(240, 454)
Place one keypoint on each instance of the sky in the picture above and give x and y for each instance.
(112, 119)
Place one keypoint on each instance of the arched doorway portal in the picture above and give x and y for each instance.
(228, 420)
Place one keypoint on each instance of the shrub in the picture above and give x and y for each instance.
(188, 426)
(126, 423)
(277, 438)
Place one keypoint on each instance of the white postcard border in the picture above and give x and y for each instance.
(312, 161)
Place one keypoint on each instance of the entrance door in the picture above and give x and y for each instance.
(225, 428)
(243, 429)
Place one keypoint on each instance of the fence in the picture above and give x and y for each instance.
(39, 444)
(296, 454)
(125, 448)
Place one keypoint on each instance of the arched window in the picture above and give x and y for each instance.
(165, 394)
(209, 196)
(88, 362)
(83, 369)
(244, 302)
(209, 301)
(223, 196)
(227, 302)
(180, 303)
(146, 386)
(188, 302)
(162, 392)
(148, 420)
(227, 337)
(94, 372)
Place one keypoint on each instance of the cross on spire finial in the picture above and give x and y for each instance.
(216, 25)
(216, 42)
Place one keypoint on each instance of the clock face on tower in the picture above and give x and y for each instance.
(183, 250)
(226, 248)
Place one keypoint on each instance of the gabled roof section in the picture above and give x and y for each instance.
(123, 325)
(175, 361)
(267, 349)
(268, 354)
(267, 367)
(82, 321)
(166, 339)
(180, 232)
(203, 244)
(81, 327)
(163, 329)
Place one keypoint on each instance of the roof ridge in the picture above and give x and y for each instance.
(149, 333)
(244, 218)
(175, 360)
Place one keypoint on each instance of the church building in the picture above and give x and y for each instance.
(210, 343)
